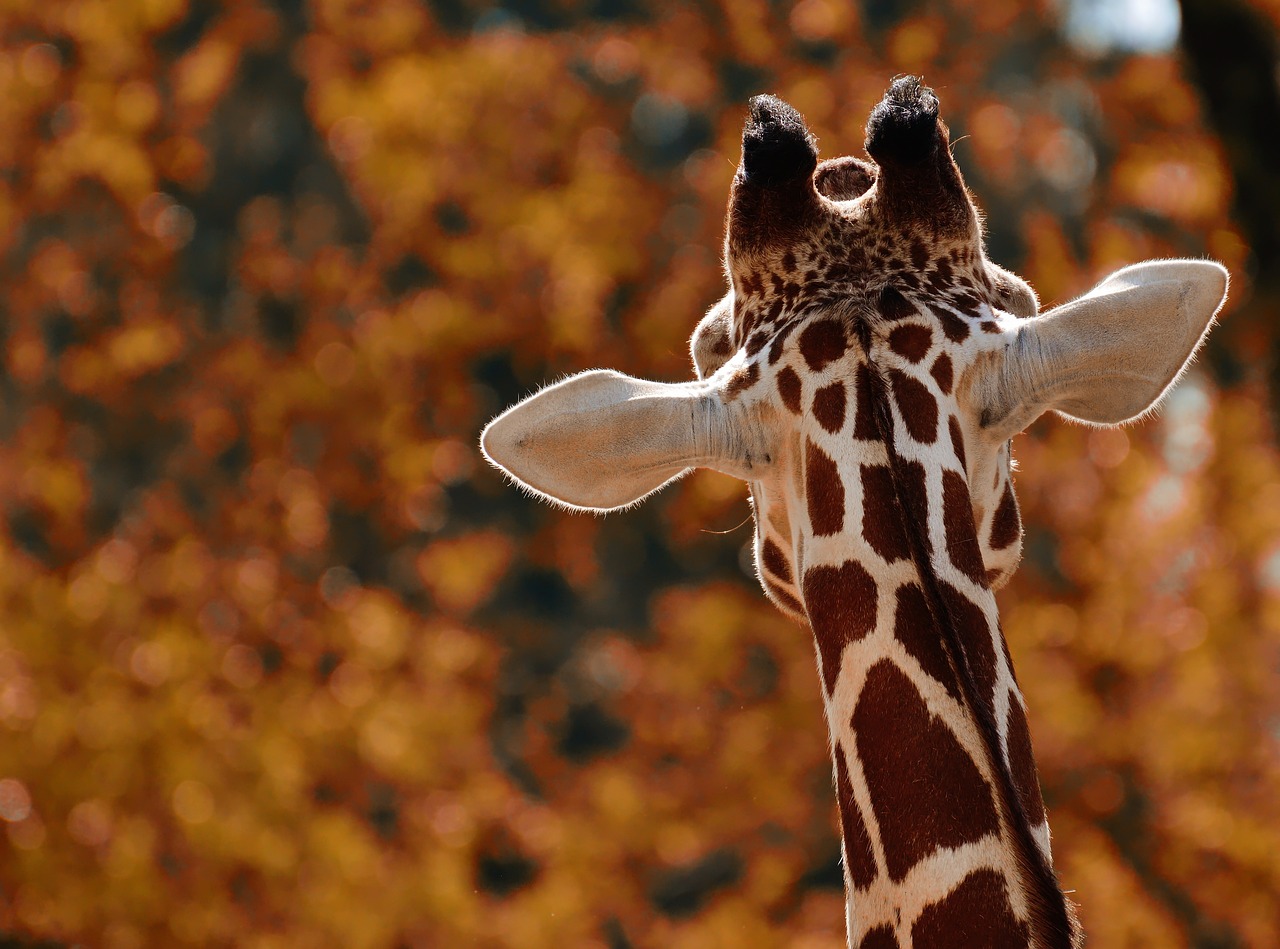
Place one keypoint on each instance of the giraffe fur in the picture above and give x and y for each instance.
(864, 374)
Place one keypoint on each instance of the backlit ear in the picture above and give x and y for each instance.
(1110, 355)
(603, 440)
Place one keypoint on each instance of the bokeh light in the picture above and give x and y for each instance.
(283, 663)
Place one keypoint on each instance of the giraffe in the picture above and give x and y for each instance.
(865, 374)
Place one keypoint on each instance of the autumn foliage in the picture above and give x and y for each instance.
(282, 663)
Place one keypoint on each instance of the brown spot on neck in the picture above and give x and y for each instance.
(926, 792)
(974, 634)
(962, 535)
(829, 406)
(824, 491)
(882, 937)
(975, 913)
(822, 342)
(881, 520)
(774, 560)
(957, 330)
(957, 441)
(914, 494)
(864, 426)
(789, 389)
(858, 858)
(941, 372)
(1022, 763)
(917, 630)
(918, 406)
(784, 598)
(911, 341)
(1006, 525)
(841, 605)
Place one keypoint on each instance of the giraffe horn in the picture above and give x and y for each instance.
(919, 181)
(903, 127)
(773, 201)
(777, 147)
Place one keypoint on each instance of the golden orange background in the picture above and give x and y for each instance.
(283, 663)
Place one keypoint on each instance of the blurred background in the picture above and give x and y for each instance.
(283, 663)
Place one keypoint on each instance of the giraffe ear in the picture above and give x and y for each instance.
(603, 440)
(1110, 355)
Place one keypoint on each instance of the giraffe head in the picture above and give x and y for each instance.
(865, 374)
(849, 278)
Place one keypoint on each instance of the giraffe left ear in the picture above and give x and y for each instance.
(1109, 356)
(603, 440)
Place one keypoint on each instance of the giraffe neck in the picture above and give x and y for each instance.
(942, 822)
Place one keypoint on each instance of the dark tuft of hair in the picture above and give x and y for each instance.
(903, 127)
(777, 147)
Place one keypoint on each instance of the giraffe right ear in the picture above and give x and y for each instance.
(1109, 356)
(603, 440)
